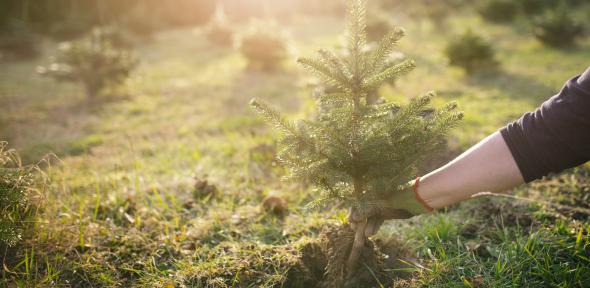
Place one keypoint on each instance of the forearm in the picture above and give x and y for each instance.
(486, 167)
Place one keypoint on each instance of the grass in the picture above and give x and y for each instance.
(120, 212)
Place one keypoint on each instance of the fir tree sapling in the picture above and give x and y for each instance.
(471, 52)
(557, 28)
(264, 46)
(218, 30)
(357, 151)
(95, 61)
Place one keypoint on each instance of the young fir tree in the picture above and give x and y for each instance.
(97, 61)
(357, 151)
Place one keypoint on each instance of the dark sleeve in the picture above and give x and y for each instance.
(556, 136)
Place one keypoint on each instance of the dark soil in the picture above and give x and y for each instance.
(323, 263)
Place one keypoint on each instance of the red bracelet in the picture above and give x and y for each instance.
(415, 189)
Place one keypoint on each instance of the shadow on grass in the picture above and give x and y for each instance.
(517, 87)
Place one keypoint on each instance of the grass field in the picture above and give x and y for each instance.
(120, 210)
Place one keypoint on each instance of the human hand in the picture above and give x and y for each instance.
(400, 205)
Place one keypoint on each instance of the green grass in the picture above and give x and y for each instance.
(119, 211)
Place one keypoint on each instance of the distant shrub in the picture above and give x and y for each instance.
(94, 60)
(16, 185)
(17, 41)
(219, 31)
(264, 46)
(557, 28)
(471, 52)
(378, 25)
(499, 10)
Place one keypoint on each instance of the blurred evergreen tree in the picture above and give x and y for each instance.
(358, 151)
(471, 52)
(264, 45)
(558, 28)
(95, 61)
(219, 30)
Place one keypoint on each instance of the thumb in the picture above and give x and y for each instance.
(356, 215)
(373, 225)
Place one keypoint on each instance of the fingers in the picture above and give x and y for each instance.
(356, 215)
(361, 214)
(373, 225)
(374, 218)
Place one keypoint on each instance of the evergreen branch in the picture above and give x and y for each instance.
(380, 110)
(389, 74)
(329, 134)
(311, 171)
(297, 142)
(326, 99)
(385, 48)
(273, 116)
(337, 64)
(322, 202)
(320, 68)
(446, 121)
(357, 26)
(401, 121)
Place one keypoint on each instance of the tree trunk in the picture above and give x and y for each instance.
(356, 249)
(359, 236)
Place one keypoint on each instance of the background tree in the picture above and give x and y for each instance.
(558, 28)
(95, 61)
(357, 151)
(219, 31)
(264, 46)
(471, 52)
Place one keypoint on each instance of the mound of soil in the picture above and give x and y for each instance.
(322, 263)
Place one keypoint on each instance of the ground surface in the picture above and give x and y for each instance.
(121, 209)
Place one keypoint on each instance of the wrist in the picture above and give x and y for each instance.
(410, 200)
(415, 185)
